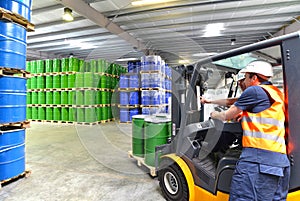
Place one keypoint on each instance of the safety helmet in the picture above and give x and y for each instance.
(241, 75)
(259, 67)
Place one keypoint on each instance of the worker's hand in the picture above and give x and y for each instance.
(203, 100)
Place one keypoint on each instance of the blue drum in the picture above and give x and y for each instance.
(21, 7)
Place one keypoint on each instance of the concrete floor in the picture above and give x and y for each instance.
(84, 163)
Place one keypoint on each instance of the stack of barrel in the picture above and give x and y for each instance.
(149, 131)
(13, 36)
(71, 90)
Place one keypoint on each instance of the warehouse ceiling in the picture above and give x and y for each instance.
(175, 30)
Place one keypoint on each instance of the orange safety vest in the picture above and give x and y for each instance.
(265, 130)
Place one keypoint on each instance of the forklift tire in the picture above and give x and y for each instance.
(173, 183)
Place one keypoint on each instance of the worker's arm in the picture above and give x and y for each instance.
(231, 113)
(222, 102)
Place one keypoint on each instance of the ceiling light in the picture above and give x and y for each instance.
(183, 61)
(213, 29)
(67, 16)
(148, 2)
(233, 41)
(128, 59)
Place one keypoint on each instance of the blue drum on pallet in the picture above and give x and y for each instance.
(133, 112)
(21, 7)
(12, 99)
(134, 81)
(12, 45)
(124, 115)
(123, 81)
(124, 100)
(12, 161)
(134, 98)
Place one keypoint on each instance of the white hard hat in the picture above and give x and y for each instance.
(241, 75)
(259, 67)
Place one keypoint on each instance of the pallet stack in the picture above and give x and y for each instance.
(70, 90)
(14, 24)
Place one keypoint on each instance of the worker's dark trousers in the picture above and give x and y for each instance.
(250, 182)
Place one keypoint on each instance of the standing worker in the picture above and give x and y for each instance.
(263, 170)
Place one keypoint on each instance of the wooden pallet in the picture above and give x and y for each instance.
(13, 17)
(11, 71)
(25, 174)
(23, 124)
(141, 162)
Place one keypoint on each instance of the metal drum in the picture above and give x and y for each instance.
(13, 99)
(21, 7)
(12, 45)
(12, 152)
(157, 132)
(138, 122)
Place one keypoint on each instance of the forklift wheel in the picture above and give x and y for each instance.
(173, 183)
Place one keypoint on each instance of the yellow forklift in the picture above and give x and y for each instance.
(199, 160)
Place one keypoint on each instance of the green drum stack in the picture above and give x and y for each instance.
(157, 131)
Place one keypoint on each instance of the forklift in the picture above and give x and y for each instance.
(199, 160)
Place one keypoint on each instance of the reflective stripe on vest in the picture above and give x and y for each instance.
(265, 130)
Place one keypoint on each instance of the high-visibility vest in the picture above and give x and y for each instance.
(265, 130)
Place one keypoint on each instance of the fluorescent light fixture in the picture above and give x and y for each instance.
(212, 30)
(204, 54)
(79, 44)
(128, 59)
(67, 16)
(183, 61)
(149, 2)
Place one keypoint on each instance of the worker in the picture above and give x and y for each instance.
(227, 101)
(263, 169)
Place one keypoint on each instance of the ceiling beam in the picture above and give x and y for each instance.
(92, 14)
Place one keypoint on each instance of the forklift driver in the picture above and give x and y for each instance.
(263, 170)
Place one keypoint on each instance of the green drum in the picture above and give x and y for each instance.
(49, 82)
(81, 65)
(28, 83)
(79, 81)
(71, 81)
(72, 114)
(34, 97)
(28, 66)
(41, 97)
(64, 81)
(65, 114)
(28, 113)
(56, 98)
(40, 66)
(103, 79)
(101, 65)
(98, 98)
(56, 113)
(109, 113)
(138, 123)
(99, 113)
(93, 65)
(157, 132)
(79, 98)
(48, 66)
(33, 66)
(89, 97)
(33, 82)
(88, 79)
(42, 113)
(65, 65)
(104, 97)
(49, 113)
(80, 115)
(56, 65)
(64, 98)
(56, 81)
(89, 115)
(74, 64)
(49, 97)
(104, 113)
(71, 98)
(40, 82)
(28, 98)
(34, 114)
